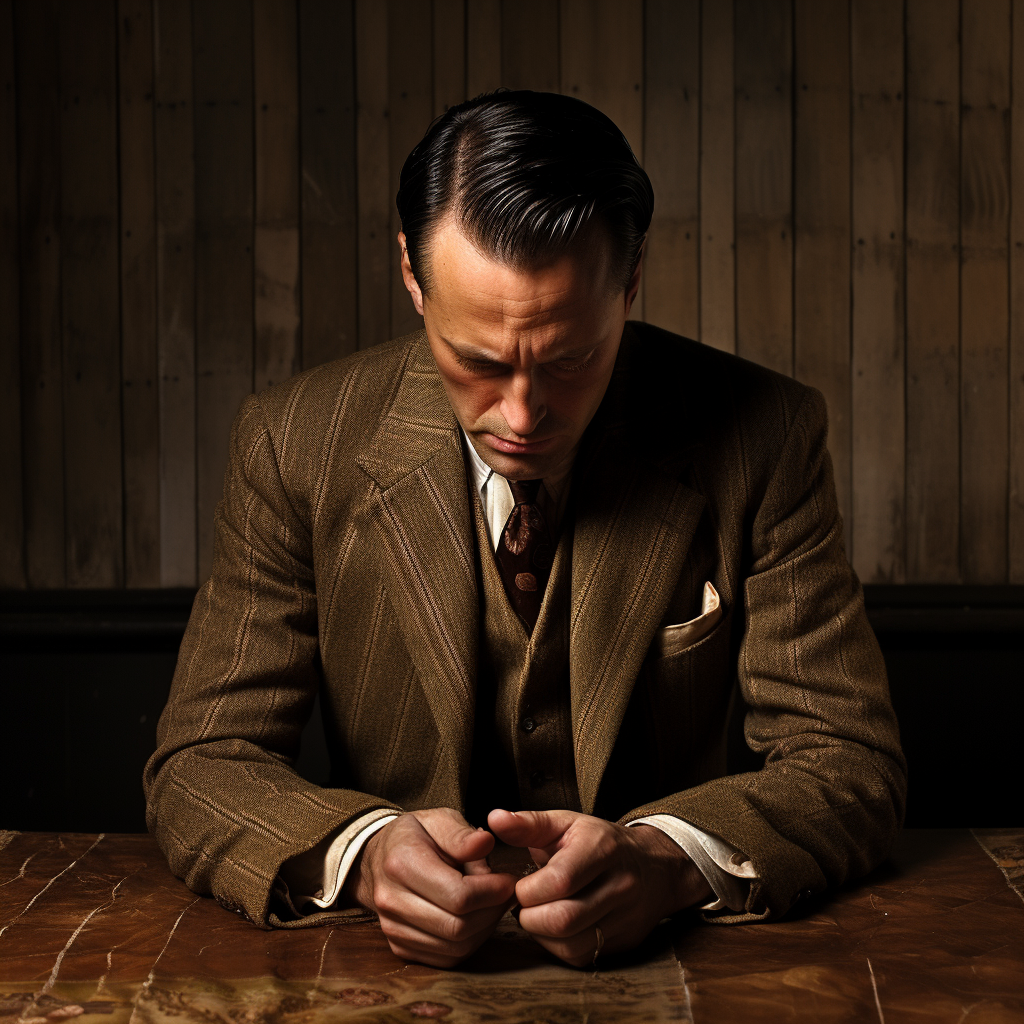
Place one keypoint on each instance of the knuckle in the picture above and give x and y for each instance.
(383, 898)
(459, 902)
(562, 920)
(624, 883)
(560, 881)
(453, 929)
(393, 862)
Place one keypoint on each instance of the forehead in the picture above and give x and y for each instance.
(471, 289)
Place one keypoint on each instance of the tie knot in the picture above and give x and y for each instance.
(524, 491)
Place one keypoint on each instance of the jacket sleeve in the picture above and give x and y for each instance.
(828, 803)
(222, 796)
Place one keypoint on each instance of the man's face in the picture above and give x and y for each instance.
(525, 355)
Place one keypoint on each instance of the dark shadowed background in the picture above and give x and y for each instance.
(196, 201)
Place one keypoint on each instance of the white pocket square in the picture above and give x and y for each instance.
(673, 639)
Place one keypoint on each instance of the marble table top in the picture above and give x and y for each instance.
(97, 929)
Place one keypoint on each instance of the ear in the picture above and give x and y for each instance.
(634, 282)
(411, 284)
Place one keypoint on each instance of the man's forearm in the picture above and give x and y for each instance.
(727, 872)
(690, 887)
(318, 876)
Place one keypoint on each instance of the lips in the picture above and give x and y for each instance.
(501, 444)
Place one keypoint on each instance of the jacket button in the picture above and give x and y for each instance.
(528, 725)
(537, 779)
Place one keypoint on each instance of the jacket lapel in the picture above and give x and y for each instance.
(635, 520)
(421, 510)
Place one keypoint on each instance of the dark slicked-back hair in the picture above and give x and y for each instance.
(525, 174)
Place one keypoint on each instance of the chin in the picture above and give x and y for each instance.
(525, 467)
(521, 466)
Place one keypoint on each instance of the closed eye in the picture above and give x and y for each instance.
(478, 365)
(575, 365)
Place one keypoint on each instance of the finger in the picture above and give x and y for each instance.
(477, 867)
(454, 835)
(578, 951)
(411, 943)
(568, 871)
(419, 868)
(562, 919)
(403, 907)
(583, 948)
(460, 894)
(530, 828)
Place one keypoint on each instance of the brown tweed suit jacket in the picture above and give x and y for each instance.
(345, 565)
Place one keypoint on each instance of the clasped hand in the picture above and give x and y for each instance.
(426, 875)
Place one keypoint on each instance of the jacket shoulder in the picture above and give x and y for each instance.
(733, 415)
(361, 384)
(703, 393)
(318, 420)
(709, 377)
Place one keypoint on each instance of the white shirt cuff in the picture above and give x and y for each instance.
(727, 870)
(330, 869)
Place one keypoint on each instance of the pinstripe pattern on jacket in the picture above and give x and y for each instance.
(344, 565)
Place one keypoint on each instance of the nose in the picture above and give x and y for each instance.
(522, 404)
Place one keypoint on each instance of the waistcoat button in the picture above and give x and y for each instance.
(528, 725)
(537, 779)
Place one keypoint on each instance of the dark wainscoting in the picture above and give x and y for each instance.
(86, 674)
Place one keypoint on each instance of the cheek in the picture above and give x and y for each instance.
(471, 399)
(568, 409)
(577, 400)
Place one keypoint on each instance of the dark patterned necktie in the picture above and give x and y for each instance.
(525, 553)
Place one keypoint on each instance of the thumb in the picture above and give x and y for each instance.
(454, 835)
(535, 829)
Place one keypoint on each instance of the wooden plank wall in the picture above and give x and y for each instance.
(196, 200)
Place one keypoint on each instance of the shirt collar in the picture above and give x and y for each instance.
(479, 469)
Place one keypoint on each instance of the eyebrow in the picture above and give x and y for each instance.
(479, 356)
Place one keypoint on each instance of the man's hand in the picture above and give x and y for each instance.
(426, 876)
(595, 874)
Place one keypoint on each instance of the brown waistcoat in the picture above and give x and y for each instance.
(522, 745)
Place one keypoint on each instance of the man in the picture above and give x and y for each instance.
(542, 566)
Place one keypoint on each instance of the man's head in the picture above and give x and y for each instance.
(523, 219)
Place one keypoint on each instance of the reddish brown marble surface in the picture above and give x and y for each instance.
(96, 929)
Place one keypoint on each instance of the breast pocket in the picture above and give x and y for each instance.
(689, 681)
(677, 638)
(672, 734)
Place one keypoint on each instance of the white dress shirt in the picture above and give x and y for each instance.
(727, 871)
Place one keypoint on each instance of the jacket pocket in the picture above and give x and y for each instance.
(674, 734)
(674, 639)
